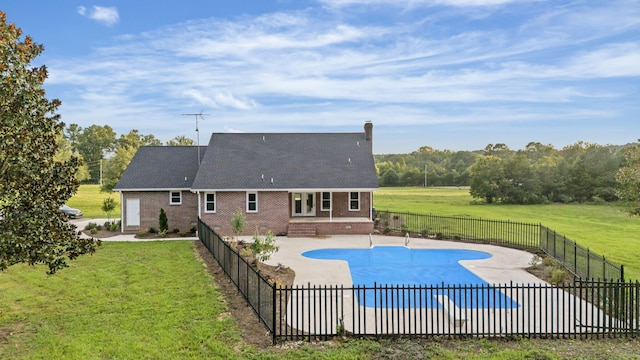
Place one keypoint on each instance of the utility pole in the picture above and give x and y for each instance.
(197, 131)
(425, 175)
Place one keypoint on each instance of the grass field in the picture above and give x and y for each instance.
(155, 300)
(89, 200)
(605, 229)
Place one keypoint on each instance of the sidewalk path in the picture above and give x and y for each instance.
(82, 222)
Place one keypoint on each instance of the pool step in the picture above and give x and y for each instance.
(301, 230)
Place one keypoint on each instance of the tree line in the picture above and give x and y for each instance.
(581, 172)
(104, 156)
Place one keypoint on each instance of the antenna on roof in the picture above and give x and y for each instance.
(198, 130)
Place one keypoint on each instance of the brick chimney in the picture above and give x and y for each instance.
(368, 133)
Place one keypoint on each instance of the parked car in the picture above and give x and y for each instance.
(71, 212)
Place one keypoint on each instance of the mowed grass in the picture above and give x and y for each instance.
(89, 199)
(156, 300)
(127, 301)
(606, 229)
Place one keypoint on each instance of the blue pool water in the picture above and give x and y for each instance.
(397, 265)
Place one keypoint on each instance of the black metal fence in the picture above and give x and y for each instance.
(581, 309)
(577, 259)
(258, 292)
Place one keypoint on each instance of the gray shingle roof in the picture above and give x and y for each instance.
(161, 167)
(292, 160)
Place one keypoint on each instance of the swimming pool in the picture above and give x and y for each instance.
(425, 268)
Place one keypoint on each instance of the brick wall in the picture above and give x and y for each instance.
(181, 217)
(273, 212)
(340, 205)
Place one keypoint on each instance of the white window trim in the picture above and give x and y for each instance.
(171, 197)
(349, 203)
(322, 208)
(215, 202)
(247, 202)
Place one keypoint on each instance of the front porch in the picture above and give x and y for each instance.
(314, 226)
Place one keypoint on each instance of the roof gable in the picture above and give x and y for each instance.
(161, 167)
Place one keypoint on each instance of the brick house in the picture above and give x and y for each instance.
(302, 184)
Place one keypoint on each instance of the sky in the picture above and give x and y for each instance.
(448, 74)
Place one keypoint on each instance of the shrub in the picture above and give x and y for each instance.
(162, 233)
(176, 230)
(90, 226)
(114, 226)
(163, 222)
(548, 261)
(558, 276)
(142, 233)
(238, 222)
(439, 236)
(263, 247)
(93, 231)
(424, 232)
(152, 230)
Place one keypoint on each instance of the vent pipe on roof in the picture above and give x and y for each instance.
(263, 139)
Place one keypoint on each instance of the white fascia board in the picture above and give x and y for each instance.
(149, 190)
(289, 190)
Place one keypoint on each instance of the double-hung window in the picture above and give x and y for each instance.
(210, 202)
(326, 201)
(175, 197)
(252, 202)
(354, 201)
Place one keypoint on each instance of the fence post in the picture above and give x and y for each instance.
(273, 316)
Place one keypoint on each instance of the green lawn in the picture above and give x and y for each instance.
(155, 300)
(89, 200)
(605, 229)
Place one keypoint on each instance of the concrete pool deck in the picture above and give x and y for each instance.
(504, 266)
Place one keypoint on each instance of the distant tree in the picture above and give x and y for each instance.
(180, 140)
(66, 152)
(72, 132)
(628, 178)
(126, 147)
(116, 166)
(487, 178)
(520, 185)
(94, 143)
(33, 182)
(390, 178)
(135, 139)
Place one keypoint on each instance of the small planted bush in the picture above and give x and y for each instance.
(163, 222)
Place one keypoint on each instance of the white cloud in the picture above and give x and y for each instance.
(293, 69)
(106, 15)
(417, 3)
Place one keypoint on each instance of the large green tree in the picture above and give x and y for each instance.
(94, 143)
(126, 148)
(487, 178)
(33, 183)
(628, 178)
